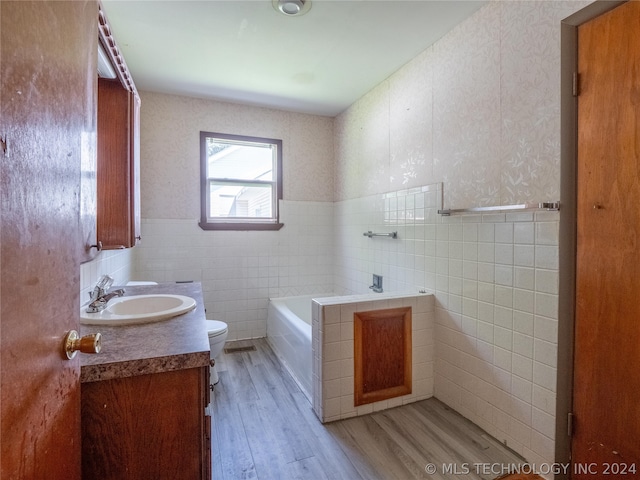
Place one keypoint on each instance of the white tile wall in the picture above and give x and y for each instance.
(240, 271)
(507, 359)
(495, 279)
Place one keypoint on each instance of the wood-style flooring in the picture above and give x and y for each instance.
(263, 428)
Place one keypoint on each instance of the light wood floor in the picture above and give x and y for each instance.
(264, 428)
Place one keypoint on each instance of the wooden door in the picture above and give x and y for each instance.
(607, 337)
(47, 126)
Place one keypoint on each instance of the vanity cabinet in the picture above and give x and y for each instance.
(118, 166)
(145, 397)
(147, 426)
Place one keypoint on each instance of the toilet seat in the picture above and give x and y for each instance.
(216, 328)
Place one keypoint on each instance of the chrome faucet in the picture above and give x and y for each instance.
(99, 295)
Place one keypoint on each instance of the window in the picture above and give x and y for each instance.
(241, 182)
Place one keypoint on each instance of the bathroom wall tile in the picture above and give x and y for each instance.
(331, 389)
(521, 434)
(503, 317)
(486, 312)
(331, 370)
(544, 423)
(503, 337)
(545, 328)
(502, 358)
(546, 352)
(546, 233)
(332, 333)
(331, 408)
(546, 305)
(523, 322)
(504, 296)
(542, 445)
(504, 233)
(524, 233)
(544, 376)
(521, 388)
(544, 399)
(546, 257)
(546, 281)
(486, 233)
(504, 253)
(523, 300)
(332, 352)
(331, 314)
(522, 366)
(524, 255)
(524, 278)
(523, 344)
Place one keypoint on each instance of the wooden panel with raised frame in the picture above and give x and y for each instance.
(382, 354)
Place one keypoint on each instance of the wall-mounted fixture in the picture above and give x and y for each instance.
(377, 283)
(292, 8)
(370, 234)
(544, 206)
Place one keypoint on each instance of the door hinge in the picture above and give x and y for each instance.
(570, 424)
(575, 84)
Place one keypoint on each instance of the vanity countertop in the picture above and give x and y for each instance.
(174, 344)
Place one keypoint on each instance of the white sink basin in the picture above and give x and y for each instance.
(138, 309)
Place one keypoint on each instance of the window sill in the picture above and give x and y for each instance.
(240, 226)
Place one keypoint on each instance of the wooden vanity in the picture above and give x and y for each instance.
(144, 397)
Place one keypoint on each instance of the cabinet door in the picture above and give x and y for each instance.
(118, 166)
(145, 427)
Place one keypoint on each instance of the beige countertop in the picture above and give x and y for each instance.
(174, 344)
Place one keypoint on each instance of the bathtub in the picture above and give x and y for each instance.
(289, 334)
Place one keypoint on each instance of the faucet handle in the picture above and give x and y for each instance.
(104, 282)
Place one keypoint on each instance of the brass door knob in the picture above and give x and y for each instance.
(73, 343)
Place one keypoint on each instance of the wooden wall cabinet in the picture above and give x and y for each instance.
(147, 426)
(118, 168)
(118, 152)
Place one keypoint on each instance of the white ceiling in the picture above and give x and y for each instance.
(243, 51)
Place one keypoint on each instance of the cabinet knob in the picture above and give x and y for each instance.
(97, 245)
(74, 343)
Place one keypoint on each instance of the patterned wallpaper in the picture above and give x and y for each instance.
(170, 150)
(479, 111)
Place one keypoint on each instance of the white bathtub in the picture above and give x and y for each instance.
(289, 334)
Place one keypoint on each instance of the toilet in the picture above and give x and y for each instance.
(217, 336)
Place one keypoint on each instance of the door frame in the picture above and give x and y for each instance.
(568, 220)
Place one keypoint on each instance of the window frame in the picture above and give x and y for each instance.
(206, 223)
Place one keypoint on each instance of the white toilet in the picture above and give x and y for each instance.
(218, 332)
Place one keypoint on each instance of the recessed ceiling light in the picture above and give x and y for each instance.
(292, 8)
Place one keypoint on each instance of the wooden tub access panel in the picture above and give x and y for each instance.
(382, 354)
